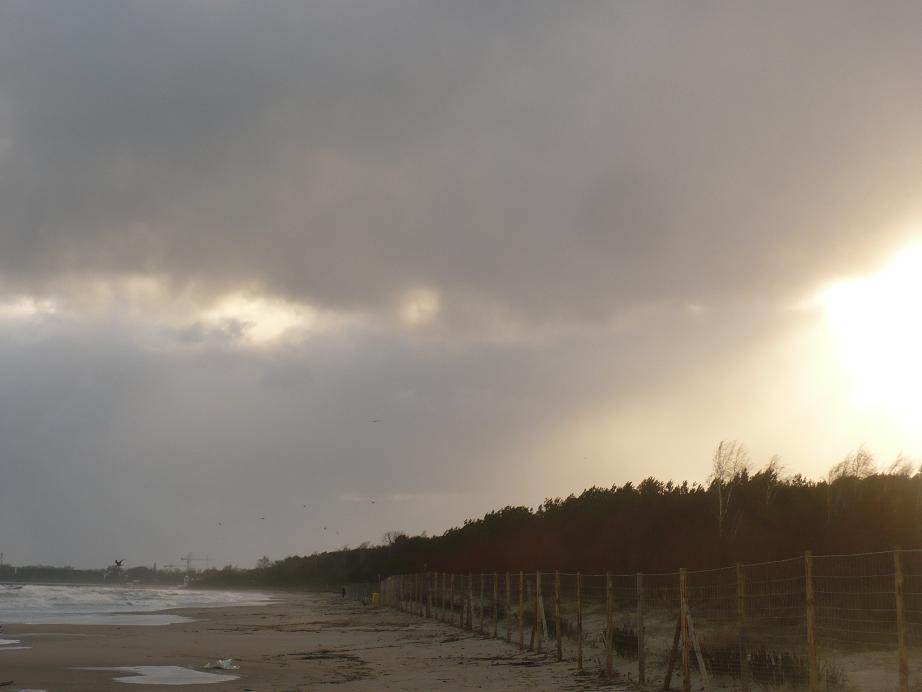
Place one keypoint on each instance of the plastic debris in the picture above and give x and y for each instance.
(223, 664)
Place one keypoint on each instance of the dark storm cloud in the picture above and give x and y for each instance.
(552, 159)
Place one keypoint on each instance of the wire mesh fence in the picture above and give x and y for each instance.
(361, 592)
(833, 622)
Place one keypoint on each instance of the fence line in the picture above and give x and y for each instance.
(817, 622)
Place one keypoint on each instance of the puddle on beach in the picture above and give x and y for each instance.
(8, 645)
(165, 675)
(139, 619)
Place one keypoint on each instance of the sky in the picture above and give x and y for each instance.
(280, 277)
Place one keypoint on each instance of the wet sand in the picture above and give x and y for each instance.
(303, 642)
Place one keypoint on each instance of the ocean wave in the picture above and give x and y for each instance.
(32, 600)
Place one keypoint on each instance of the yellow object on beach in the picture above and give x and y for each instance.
(375, 599)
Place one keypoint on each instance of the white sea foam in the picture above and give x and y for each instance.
(116, 605)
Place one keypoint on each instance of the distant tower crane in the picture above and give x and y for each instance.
(190, 558)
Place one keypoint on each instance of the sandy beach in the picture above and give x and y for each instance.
(300, 642)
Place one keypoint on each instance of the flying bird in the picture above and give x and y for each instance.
(118, 563)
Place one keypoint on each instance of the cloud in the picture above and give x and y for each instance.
(550, 163)
(544, 244)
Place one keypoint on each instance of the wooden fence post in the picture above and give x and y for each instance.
(900, 618)
(579, 621)
(538, 610)
(495, 603)
(481, 602)
(811, 622)
(521, 611)
(462, 600)
(466, 601)
(451, 598)
(557, 614)
(508, 613)
(641, 635)
(683, 618)
(470, 601)
(741, 625)
(610, 627)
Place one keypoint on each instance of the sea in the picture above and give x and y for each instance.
(58, 604)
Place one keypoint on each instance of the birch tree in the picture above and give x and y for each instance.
(730, 461)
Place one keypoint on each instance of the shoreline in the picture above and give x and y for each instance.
(297, 641)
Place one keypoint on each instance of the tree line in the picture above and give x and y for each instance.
(738, 515)
(48, 574)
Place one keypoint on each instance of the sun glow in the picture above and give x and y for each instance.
(27, 307)
(261, 320)
(419, 306)
(878, 324)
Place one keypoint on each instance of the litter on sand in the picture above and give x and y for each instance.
(223, 664)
